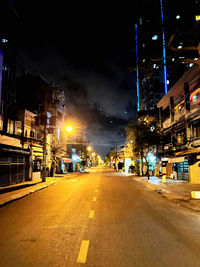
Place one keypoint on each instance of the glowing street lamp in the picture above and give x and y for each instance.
(89, 148)
(69, 128)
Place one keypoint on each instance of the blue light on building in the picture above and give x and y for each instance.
(137, 69)
(164, 49)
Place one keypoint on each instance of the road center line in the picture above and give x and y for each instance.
(91, 214)
(94, 199)
(82, 256)
(96, 191)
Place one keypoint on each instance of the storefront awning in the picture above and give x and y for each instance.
(37, 151)
(189, 152)
(176, 159)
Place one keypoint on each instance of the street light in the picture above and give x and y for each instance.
(69, 128)
(89, 148)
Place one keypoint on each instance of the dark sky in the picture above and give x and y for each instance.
(84, 49)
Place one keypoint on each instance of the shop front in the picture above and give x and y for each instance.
(14, 165)
(37, 159)
(177, 168)
(66, 165)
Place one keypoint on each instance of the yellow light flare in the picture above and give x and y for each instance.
(89, 148)
(69, 128)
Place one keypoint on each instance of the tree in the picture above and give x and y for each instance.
(144, 138)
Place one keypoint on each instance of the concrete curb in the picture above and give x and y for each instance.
(27, 191)
(184, 201)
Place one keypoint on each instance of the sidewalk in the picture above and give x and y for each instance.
(13, 192)
(175, 190)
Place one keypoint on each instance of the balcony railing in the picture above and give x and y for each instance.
(182, 114)
(195, 142)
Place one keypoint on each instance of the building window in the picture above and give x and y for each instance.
(10, 127)
(4, 40)
(1, 123)
(58, 134)
(195, 97)
(155, 37)
(197, 17)
(32, 134)
(181, 138)
(196, 129)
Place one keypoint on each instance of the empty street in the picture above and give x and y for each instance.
(100, 218)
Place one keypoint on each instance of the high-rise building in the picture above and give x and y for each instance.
(164, 30)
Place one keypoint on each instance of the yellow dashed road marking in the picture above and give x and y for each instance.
(94, 199)
(91, 214)
(82, 256)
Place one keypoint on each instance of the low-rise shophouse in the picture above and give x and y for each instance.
(180, 121)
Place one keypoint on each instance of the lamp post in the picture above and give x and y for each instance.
(44, 149)
(69, 129)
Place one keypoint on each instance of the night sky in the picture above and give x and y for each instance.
(84, 49)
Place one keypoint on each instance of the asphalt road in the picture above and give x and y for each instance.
(99, 219)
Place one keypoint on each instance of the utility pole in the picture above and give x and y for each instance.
(44, 120)
(44, 150)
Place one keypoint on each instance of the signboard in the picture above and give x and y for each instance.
(175, 160)
(67, 160)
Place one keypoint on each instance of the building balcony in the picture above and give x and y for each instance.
(195, 142)
(182, 115)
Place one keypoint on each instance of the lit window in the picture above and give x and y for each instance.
(180, 46)
(143, 45)
(195, 97)
(4, 40)
(155, 37)
(173, 59)
(178, 17)
(140, 21)
(10, 126)
(58, 134)
(167, 81)
(1, 122)
(197, 17)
